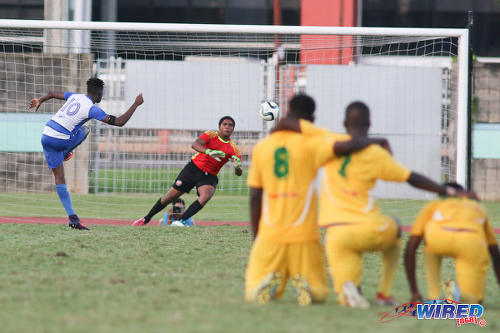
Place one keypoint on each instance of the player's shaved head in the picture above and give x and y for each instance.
(302, 106)
(357, 117)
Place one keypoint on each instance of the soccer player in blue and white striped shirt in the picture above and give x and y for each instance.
(66, 130)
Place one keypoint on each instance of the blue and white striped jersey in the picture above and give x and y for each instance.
(77, 110)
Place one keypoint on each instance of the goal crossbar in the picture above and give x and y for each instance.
(215, 28)
(461, 34)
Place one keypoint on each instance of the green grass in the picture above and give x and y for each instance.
(157, 180)
(222, 207)
(118, 279)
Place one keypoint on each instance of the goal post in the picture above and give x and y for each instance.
(414, 80)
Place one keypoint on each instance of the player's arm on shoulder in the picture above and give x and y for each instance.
(422, 182)
(301, 126)
(124, 118)
(410, 266)
(341, 148)
(36, 102)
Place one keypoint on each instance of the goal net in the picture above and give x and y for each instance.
(190, 76)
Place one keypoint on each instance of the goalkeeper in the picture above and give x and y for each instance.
(214, 149)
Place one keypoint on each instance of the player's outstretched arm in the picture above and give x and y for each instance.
(255, 209)
(420, 181)
(495, 258)
(410, 266)
(124, 118)
(346, 147)
(36, 102)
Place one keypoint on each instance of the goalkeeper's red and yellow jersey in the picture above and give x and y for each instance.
(346, 183)
(284, 166)
(215, 142)
(454, 214)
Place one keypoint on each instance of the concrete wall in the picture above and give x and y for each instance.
(26, 76)
(486, 172)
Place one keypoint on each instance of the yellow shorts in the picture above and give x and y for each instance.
(470, 251)
(290, 259)
(364, 236)
(346, 243)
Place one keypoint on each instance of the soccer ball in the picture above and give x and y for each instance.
(269, 110)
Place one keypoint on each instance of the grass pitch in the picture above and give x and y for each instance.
(119, 279)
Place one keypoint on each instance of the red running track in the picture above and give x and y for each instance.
(58, 220)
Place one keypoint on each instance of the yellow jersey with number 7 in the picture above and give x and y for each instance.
(284, 166)
(346, 183)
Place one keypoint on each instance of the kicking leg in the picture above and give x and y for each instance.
(77, 140)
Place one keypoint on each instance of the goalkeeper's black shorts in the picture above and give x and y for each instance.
(191, 176)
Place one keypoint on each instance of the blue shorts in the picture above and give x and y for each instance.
(54, 149)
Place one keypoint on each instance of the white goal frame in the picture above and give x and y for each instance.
(461, 34)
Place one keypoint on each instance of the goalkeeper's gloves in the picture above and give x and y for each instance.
(215, 154)
(236, 161)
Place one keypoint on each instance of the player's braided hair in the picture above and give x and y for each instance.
(94, 85)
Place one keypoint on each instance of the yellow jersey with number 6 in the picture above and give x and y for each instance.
(284, 166)
(346, 183)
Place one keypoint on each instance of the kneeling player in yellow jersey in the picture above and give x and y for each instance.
(355, 224)
(456, 228)
(283, 210)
